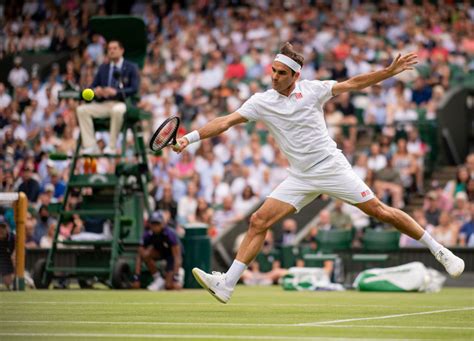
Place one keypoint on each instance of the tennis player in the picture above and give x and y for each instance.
(293, 112)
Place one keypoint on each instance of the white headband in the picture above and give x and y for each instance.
(288, 62)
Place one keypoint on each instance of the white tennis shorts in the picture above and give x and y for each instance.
(333, 176)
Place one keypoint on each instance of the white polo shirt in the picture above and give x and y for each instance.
(296, 122)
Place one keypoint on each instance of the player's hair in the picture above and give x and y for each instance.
(287, 50)
(116, 41)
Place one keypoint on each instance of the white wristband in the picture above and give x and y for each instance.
(193, 136)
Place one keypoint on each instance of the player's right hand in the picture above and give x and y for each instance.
(181, 144)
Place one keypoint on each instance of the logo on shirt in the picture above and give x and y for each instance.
(298, 95)
(365, 193)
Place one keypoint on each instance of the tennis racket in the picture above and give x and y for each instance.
(165, 135)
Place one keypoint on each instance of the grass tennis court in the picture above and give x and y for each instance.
(254, 313)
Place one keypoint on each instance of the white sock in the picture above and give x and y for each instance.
(233, 274)
(430, 243)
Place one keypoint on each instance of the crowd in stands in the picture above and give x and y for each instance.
(204, 60)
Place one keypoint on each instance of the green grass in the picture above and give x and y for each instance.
(253, 313)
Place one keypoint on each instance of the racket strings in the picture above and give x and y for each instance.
(163, 137)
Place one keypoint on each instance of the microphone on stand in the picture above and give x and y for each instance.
(118, 77)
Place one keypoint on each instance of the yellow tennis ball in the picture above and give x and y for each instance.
(88, 94)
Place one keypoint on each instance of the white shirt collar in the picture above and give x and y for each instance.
(118, 64)
(296, 90)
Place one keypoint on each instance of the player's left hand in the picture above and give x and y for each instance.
(402, 63)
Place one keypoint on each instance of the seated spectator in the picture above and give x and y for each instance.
(339, 219)
(376, 160)
(7, 248)
(266, 268)
(348, 110)
(188, 204)
(388, 185)
(227, 216)
(30, 225)
(417, 148)
(361, 168)
(46, 241)
(470, 164)
(29, 185)
(446, 232)
(289, 229)
(460, 213)
(466, 234)
(185, 166)
(376, 112)
(421, 92)
(160, 242)
(334, 120)
(246, 202)
(324, 222)
(460, 184)
(43, 223)
(167, 203)
(431, 208)
(405, 164)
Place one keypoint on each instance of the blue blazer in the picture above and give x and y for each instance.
(129, 76)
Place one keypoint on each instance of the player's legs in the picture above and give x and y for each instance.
(393, 216)
(221, 286)
(268, 214)
(407, 225)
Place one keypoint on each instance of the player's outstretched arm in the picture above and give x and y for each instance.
(211, 129)
(359, 82)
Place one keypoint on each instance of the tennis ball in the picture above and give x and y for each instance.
(88, 94)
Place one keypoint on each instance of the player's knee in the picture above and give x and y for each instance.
(258, 223)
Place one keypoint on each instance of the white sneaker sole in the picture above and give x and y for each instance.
(200, 280)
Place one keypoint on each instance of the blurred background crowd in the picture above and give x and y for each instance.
(204, 59)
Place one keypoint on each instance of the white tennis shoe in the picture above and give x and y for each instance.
(214, 283)
(452, 263)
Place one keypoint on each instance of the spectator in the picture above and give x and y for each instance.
(466, 234)
(7, 247)
(29, 185)
(187, 205)
(339, 219)
(5, 98)
(245, 202)
(446, 231)
(18, 76)
(388, 185)
(460, 184)
(225, 217)
(160, 242)
(377, 161)
(289, 228)
(431, 208)
(460, 213)
(167, 203)
(324, 222)
(405, 164)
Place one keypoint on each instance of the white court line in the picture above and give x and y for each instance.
(239, 325)
(19, 303)
(181, 336)
(385, 317)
